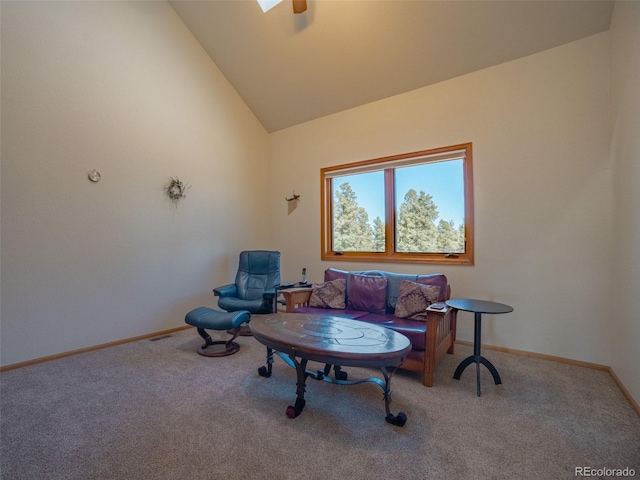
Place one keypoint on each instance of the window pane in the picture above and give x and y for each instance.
(430, 208)
(358, 212)
(421, 201)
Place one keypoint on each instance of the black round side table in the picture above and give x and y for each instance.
(478, 307)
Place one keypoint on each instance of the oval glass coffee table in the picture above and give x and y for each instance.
(336, 342)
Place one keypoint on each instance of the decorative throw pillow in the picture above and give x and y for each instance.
(437, 279)
(414, 299)
(367, 293)
(333, 273)
(329, 294)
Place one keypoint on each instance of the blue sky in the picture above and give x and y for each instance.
(442, 180)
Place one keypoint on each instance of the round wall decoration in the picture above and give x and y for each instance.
(94, 176)
(176, 189)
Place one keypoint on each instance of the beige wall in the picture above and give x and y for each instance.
(122, 87)
(542, 178)
(625, 151)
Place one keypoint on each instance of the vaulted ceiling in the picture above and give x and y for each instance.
(341, 54)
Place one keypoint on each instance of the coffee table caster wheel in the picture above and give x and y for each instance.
(293, 412)
(397, 420)
(263, 372)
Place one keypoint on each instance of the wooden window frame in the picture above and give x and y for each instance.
(390, 255)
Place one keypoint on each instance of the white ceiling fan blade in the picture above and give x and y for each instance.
(267, 5)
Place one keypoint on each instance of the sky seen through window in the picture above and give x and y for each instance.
(444, 181)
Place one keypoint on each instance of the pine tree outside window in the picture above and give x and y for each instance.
(415, 207)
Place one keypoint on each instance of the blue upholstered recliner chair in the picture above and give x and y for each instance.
(255, 286)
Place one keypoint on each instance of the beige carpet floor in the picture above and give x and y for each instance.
(157, 410)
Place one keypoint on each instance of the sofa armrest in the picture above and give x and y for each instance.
(296, 297)
(441, 323)
(438, 307)
(226, 290)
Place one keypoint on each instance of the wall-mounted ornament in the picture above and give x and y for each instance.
(94, 176)
(293, 197)
(176, 189)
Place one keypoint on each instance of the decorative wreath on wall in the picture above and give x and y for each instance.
(176, 189)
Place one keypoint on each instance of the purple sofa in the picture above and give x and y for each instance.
(372, 296)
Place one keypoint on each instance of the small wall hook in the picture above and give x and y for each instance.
(293, 197)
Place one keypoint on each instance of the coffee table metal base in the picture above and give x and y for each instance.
(340, 378)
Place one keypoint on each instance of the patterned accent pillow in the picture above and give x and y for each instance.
(414, 299)
(329, 294)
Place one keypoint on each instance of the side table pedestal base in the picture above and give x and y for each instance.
(477, 359)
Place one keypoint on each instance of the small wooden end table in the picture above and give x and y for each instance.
(337, 342)
(478, 307)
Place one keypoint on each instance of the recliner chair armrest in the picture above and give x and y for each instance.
(226, 290)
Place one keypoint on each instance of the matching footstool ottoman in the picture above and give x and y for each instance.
(207, 318)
